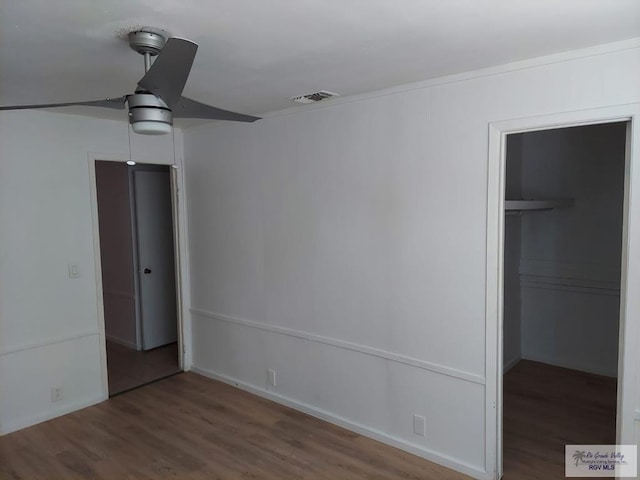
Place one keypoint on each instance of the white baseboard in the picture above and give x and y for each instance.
(510, 364)
(56, 412)
(120, 341)
(382, 437)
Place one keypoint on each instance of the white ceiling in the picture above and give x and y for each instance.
(255, 54)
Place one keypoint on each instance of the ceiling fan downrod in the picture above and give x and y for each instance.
(148, 44)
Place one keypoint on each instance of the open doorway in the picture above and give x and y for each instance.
(563, 242)
(138, 264)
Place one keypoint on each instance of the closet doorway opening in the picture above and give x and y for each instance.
(563, 229)
(628, 371)
(136, 223)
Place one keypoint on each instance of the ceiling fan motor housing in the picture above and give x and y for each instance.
(148, 114)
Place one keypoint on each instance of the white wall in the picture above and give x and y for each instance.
(116, 251)
(570, 266)
(49, 333)
(345, 246)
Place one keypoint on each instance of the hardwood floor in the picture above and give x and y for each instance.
(129, 368)
(190, 427)
(546, 408)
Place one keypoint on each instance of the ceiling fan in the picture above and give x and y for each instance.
(158, 98)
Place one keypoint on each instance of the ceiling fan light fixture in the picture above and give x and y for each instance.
(151, 128)
(149, 115)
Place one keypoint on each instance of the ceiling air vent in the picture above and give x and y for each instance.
(314, 97)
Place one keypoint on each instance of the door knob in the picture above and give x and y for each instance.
(147, 271)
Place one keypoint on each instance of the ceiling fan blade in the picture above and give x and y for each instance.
(168, 74)
(187, 108)
(116, 103)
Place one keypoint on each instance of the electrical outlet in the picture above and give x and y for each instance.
(56, 394)
(419, 425)
(271, 377)
(74, 270)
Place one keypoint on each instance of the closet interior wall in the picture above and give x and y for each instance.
(562, 266)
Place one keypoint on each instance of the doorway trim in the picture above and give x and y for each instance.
(178, 212)
(630, 269)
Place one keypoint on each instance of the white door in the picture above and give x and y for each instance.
(156, 267)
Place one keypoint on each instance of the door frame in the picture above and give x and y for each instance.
(630, 269)
(178, 212)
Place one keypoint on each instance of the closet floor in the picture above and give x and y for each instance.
(129, 368)
(548, 407)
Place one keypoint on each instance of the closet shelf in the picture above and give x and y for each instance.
(516, 206)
